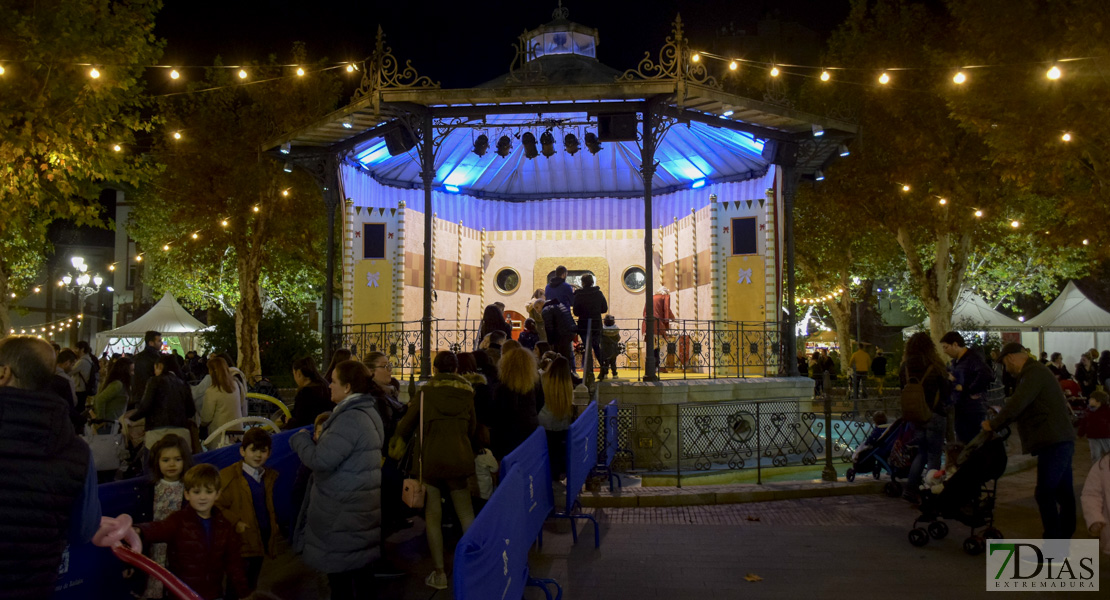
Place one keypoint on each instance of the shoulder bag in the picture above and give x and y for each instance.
(412, 490)
(915, 408)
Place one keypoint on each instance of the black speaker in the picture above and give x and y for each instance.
(617, 127)
(399, 141)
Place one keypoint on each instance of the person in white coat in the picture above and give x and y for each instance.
(1096, 502)
(223, 400)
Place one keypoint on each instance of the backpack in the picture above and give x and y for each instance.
(915, 408)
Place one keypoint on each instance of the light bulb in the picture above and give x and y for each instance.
(67, 280)
(98, 280)
(177, 135)
(943, 202)
(696, 57)
(905, 188)
(774, 71)
(223, 223)
(1085, 242)
(166, 248)
(825, 76)
(732, 66)
(978, 213)
(284, 192)
(1054, 73)
(117, 148)
(242, 74)
(1015, 224)
(255, 209)
(1066, 137)
(94, 73)
(139, 258)
(174, 74)
(195, 236)
(1, 73)
(111, 267)
(350, 68)
(300, 72)
(884, 79)
(38, 289)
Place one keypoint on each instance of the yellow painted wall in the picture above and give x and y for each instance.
(745, 300)
(372, 302)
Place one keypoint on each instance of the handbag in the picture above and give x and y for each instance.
(412, 490)
(915, 408)
(105, 446)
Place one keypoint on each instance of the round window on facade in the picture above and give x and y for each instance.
(634, 279)
(507, 280)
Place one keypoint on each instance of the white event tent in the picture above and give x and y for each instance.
(1071, 325)
(971, 308)
(166, 317)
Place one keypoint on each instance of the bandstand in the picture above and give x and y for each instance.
(652, 177)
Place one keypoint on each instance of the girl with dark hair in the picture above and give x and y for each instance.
(313, 396)
(163, 494)
(338, 529)
(337, 357)
(493, 319)
(921, 363)
(167, 403)
(111, 402)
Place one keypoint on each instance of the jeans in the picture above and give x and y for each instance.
(1055, 492)
(859, 384)
(929, 440)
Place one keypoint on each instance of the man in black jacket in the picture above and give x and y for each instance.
(559, 324)
(971, 379)
(48, 494)
(144, 366)
(589, 305)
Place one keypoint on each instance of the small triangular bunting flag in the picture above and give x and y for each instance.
(393, 212)
(358, 210)
(761, 201)
(381, 211)
(749, 204)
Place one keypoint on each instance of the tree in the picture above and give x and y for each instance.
(59, 127)
(225, 225)
(1022, 115)
(914, 172)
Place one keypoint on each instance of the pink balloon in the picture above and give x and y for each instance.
(113, 531)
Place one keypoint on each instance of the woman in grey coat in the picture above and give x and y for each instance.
(339, 527)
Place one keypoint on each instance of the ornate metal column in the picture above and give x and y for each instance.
(790, 178)
(428, 174)
(647, 170)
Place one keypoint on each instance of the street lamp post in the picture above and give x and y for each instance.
(80, 282)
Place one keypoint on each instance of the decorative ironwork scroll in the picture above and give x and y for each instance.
(383, 71)
(674, 63)
(525, 69)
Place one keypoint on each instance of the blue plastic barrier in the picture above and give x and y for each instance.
(535, 467)
(581, 459)
(611, 434)
(88, 571)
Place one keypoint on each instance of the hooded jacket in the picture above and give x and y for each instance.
(559, 289)
(339, 526)
(558, 322)
(590, 304)
(449, 424)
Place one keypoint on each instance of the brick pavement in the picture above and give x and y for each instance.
(822, 548)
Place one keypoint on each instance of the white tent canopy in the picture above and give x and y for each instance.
(971, 307)
(1071, 325)
(166, 317)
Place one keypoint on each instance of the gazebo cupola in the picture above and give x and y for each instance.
(560, 37)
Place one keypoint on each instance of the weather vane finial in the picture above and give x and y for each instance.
(560, 12)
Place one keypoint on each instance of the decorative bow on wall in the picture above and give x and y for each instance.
(372, 279)
(745, 276)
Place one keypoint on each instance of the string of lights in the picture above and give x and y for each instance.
(49, 328)
(820, 299)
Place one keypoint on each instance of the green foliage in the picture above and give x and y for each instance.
(283, 339)
(58, 126)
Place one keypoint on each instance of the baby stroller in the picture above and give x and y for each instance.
(875, 456)
(967, 496)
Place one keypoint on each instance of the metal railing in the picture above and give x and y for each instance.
(687, 348)
(702, 438)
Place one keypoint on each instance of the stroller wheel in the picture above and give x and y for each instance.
(893, 489)
(938, 529)
(850, 474)
(919, 537)
(991, 533)
(974, 545)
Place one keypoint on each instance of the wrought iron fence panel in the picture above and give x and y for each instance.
(718, 434)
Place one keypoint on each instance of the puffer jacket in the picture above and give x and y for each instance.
(167, 402)
(449, 424)
(339, 526)
(589, 305)
(1096, 500)
(197, 559)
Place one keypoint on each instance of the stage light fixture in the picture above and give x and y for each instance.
(570, 144)
(528, 140)
(592, 144)
(844, 150)
(286, 148)
(481, 145)
(288, 167)
(818, 131)
(547, 144)
(819, 176)
(504, 146)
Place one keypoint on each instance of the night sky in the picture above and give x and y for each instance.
(461, 44)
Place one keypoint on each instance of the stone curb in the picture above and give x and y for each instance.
(743, 493)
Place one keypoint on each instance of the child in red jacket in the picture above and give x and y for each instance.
(1094, 425)
(203, 546)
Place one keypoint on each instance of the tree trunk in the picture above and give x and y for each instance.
(939, 285)
(248, 312)
(841, 312)
(5, 302)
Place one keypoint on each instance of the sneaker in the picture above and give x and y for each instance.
(436, 580)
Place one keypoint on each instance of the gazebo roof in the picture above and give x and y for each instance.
(713, 136)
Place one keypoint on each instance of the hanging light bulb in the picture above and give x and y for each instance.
(300, 72)
(112, 267)
(696, 57)
(1085, 242)
(283, 193)
(195, 235)
(1054, 73)
(223, 223)
(959, 78)
(174, 74)
(825, 76)
(37, 289)
(943, 201)
(978, 213)
(95, 74)
(774, 71)
(255, 208)
(906, 188)
(732, 66)
(1, 73)
(166, 248)
(1015, 224)
(1066, 137)
(177, 135)
(117, 148)
(884, 79)
(242, 74)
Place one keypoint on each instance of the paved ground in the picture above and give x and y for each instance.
(827, 548)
